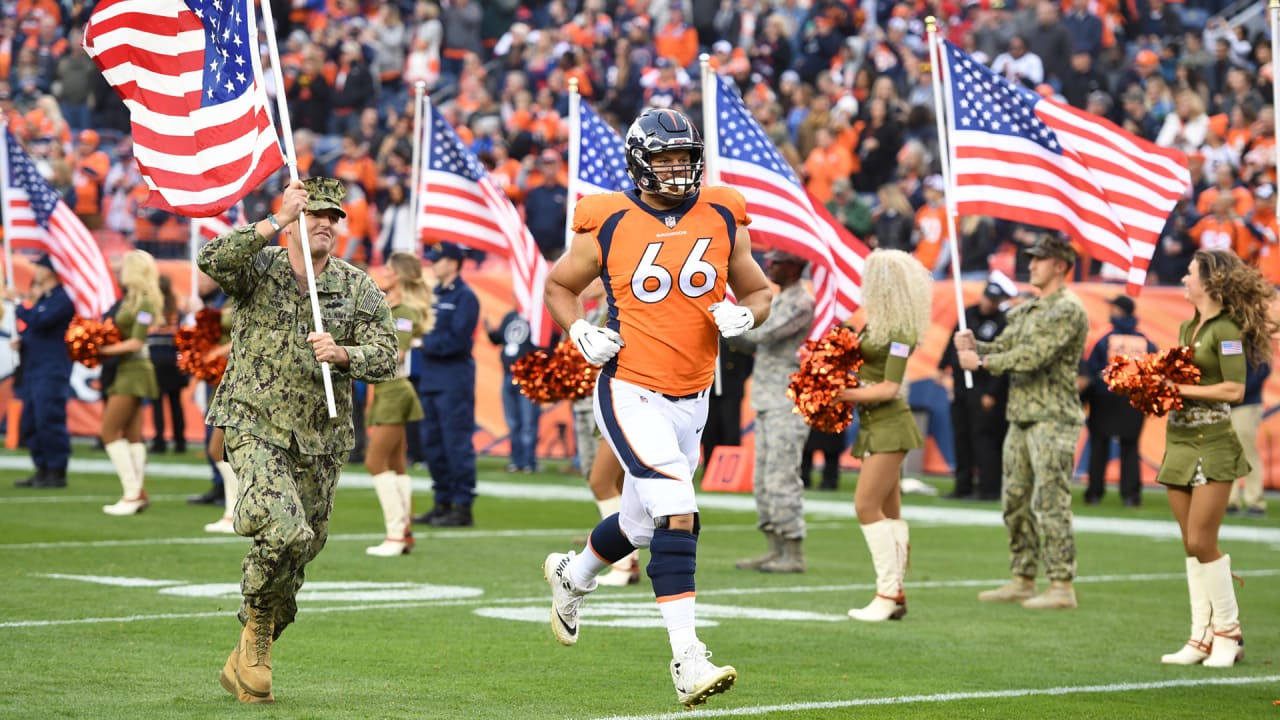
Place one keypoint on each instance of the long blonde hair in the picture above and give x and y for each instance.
(1245, 296)
(896, 293)
(415, 288)
(140, 281)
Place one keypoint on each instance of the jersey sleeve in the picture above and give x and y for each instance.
(590, 212)
(731, 199)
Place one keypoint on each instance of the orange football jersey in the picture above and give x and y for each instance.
(662, 269)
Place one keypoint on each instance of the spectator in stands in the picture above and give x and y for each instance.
(1051, 39)
(1185, 128)
(91, 167)
(826, 164)
(1225, 185)
(878, 147)
(1265, 228)
(978, 242)
(1019, 65)
(1084, 29)
(848, 209)
(1221, 230)
(75, 83)
(1082, 79)
(931, 230)
(1135, 118)
(310, 94)
(894, 220)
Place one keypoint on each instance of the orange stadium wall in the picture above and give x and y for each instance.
(1160, 311)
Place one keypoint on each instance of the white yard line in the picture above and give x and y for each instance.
(951, 697)
(611, 596)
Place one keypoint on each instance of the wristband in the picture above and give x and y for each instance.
(275, 224)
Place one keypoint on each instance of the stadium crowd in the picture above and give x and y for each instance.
(843, 89)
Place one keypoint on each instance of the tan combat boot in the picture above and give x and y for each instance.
(774, 552)
(227, 679)
(790, 561)
(1060, 595)
(253, 664)
(1018, 589)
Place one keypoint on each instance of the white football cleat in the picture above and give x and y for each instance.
(225, 525)
(565, 598)
(696, 678)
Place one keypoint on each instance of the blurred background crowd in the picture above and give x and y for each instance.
(843, 89)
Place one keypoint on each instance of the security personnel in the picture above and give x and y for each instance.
(447, 388)
(46, 375)
(1040, 350)
(978, 413)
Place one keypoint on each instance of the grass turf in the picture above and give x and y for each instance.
(74, 648)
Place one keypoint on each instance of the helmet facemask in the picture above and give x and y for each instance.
(656, 132)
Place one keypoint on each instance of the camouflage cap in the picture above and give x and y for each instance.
(325, 194)
(1052, 245)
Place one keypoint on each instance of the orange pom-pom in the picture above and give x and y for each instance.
(195, 342)
(86, 337)
(1149, 380)
(562, 374)
(827, 366)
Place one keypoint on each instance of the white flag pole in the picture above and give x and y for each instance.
(8, 228)
(710, 157)
(1274, 19)
(575, 152)
(193, 248)
(415, 174)
(944, 154)
(286, 133)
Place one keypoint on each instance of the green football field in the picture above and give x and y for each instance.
(104, 617)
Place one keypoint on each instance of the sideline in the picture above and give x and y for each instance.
(818, 508)
(953, 697)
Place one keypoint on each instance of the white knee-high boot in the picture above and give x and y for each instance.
(627, 570)
(404, 484)
(890, 603)
(133, 499)
(138, 453)
(1228, 642)
(1197, 647)
(393, 514)
(230, 494)
(902, 541)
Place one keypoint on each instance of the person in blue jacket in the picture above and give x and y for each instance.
(45, 365)
(447, 389)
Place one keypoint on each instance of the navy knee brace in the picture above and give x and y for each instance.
(673, 556)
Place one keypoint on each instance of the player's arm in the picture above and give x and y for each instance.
(749, 285)
(571, 274)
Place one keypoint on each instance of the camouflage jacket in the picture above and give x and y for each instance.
(273, 388)
(776, 341)
(1040, 350)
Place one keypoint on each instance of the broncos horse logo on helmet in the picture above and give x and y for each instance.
(658, 130)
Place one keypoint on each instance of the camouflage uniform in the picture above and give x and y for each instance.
(1041, 350)
(280, 440)
(780, 433)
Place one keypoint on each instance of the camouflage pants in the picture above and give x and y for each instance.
(585, 437)
(284, 505)
(779, 491)
(1038, 462)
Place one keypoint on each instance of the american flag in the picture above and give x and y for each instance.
(211, 227)
(462, 204)
(602, 157)
(39, 219)
(784, 215)
(1020, 157)
(190, 75)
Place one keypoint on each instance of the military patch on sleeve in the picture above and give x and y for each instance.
(261, 261)
(145, 318)
(898, 349)
(369, 302)
(1232, 347)
(404, 325)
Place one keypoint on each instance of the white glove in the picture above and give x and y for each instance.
(733, 320)
(598, 345)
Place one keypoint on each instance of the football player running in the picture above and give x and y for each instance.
(666, 252)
